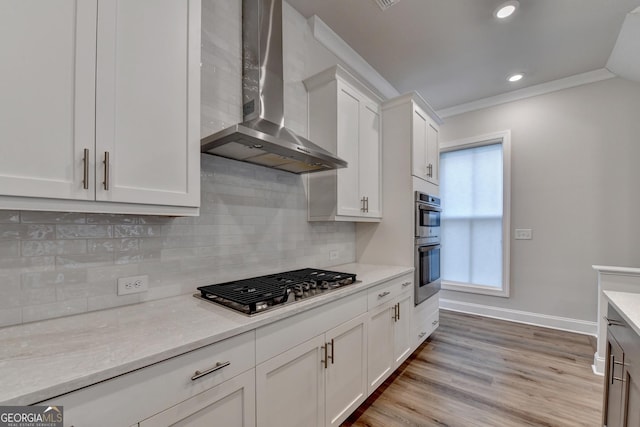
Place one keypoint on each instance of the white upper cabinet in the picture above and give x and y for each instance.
(102, 106)
(344, 118)
(425, 151)
(48, 97)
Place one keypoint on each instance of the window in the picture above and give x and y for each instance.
(475, 189)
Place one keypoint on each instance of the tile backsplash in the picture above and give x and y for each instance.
(253, 221)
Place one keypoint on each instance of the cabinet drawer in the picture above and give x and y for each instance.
(280, 336)
(387, 291)
(135, 396)
(426, 319)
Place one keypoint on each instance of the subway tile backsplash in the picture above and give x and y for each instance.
(253, 221)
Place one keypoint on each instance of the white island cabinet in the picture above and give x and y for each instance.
(344, 118)
(100, 106)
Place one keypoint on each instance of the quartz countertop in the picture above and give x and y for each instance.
(628, 305)
(41, 360)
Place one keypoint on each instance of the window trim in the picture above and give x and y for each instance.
(504, 138)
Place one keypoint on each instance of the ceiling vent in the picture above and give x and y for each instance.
(386, 4)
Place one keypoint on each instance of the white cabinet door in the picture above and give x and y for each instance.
(433, 155)
(380, 346)
(425, 151)
(148, 73)
(403, 326)
(290, 387)
(348, 139)
(420, 165)
(47, 106)
(344, 117)
(231, 404)
(346, 373)
(370, 166)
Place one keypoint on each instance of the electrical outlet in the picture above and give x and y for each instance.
(333, 254)
(133, 284)
(523, 234)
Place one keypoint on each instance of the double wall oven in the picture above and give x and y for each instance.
(427, 246)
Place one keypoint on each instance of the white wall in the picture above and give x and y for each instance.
(576, 183)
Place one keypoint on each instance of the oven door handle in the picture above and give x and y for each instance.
(429, 208)
(428, 248)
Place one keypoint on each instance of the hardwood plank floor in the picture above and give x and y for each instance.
(476, 371)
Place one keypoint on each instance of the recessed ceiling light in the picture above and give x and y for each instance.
(506, 9)
(515, 77)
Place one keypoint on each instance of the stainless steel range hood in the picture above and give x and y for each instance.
(262, 138)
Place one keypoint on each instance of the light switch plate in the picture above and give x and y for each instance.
(523, 234)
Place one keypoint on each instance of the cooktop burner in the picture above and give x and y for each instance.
(259, 294)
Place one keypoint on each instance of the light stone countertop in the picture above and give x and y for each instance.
(41, 360)
(628, 305)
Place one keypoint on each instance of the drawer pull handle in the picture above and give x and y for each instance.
(200, 374)
(422, 334)
(434, 323)
(613, 322)
(405, 284)
(384, 294)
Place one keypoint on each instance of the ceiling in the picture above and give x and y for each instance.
(454, 51)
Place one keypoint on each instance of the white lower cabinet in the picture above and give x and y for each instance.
(390, 333)
(310, 369)
(231, 404)
(168, 388)
(317, 383)
(403, 345)
(426, 318)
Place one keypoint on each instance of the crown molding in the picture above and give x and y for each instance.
(528, 92)
(332, 41)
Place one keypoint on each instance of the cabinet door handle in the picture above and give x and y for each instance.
(332, 356)
(366, 201)
(405, 284)
(85, 169)
(362, 201)
(217, 367)
(383, 294)
(106, 171)
(398, 304)
(612, 367)
(323, 361)
(613, 322)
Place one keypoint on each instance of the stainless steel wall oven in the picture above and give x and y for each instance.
(427, 246)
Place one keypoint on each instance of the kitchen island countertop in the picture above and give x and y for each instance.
(628, 305)
(41, 360)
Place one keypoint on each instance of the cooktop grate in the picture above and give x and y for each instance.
(259, 293)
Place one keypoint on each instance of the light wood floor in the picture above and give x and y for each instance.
(476, 371)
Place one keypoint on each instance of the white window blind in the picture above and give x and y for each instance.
(471, 188)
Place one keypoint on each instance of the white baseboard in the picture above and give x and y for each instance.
(544, 320)
(598, 364)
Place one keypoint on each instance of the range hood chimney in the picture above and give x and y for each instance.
(262, 138)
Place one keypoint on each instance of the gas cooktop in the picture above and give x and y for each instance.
(258, 294)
